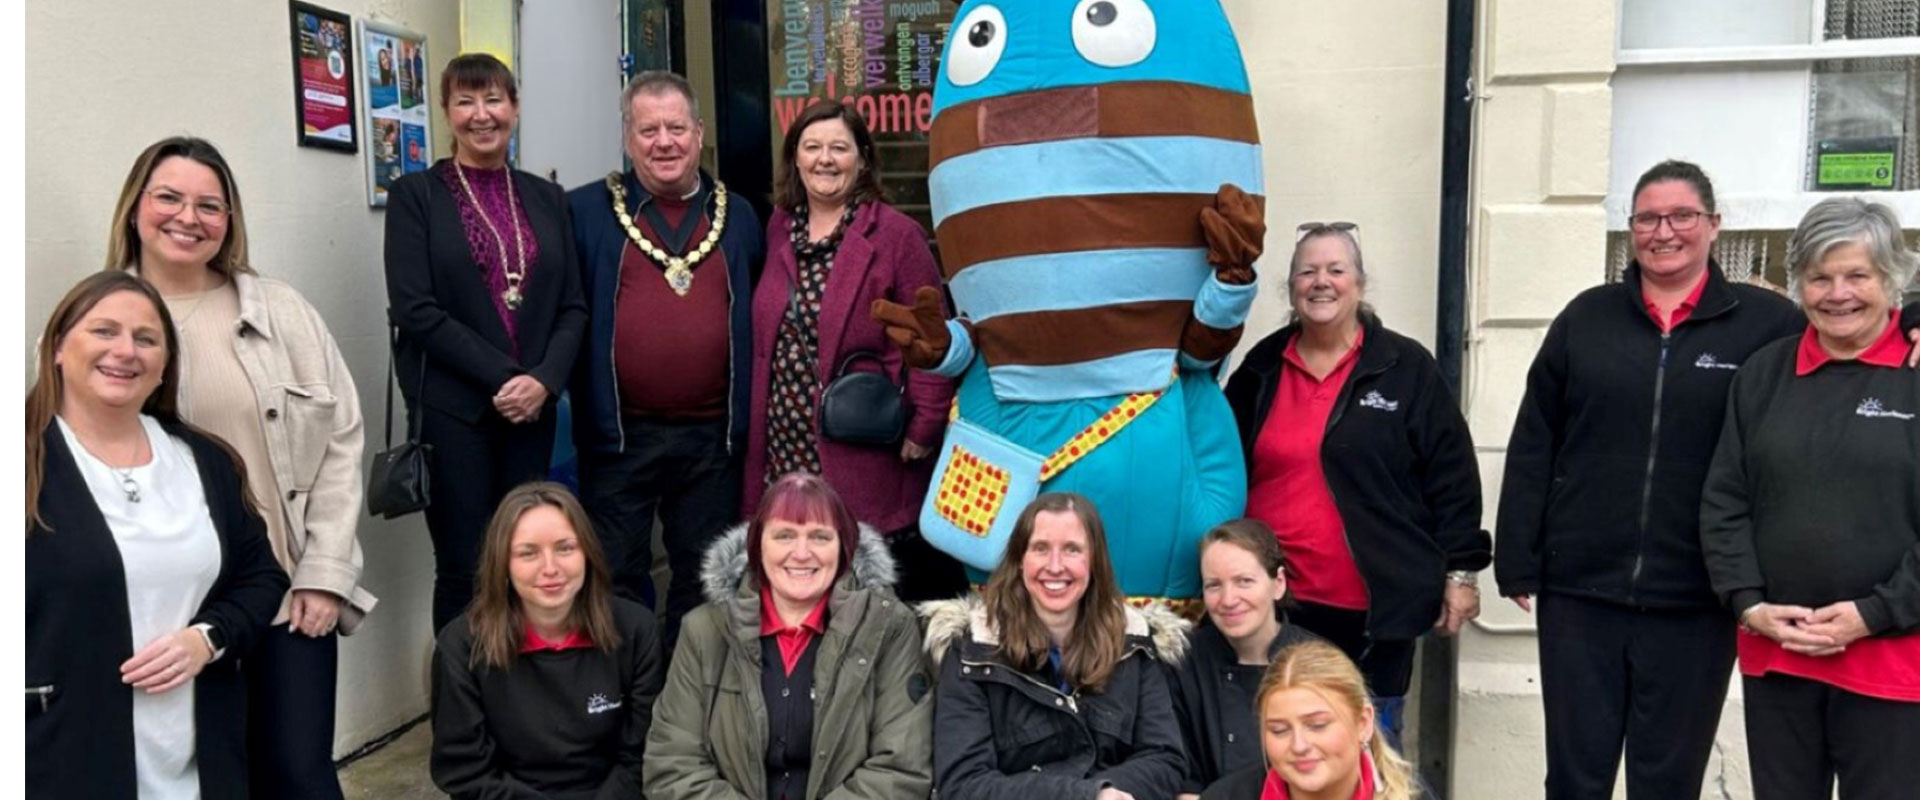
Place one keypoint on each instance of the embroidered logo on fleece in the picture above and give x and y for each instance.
(599, 703)
(1374, 400)
(1709, 361)
(1871, 408)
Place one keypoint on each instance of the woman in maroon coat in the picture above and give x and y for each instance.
(834, 247)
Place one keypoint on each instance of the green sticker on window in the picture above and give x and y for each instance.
(1857, 164)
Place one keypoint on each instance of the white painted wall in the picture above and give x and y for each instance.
(1348, 97)
(130, 73)
(570, 89)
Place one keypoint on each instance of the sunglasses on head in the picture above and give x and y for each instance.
(1307, 229)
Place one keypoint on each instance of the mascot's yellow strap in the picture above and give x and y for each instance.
(1095, 434)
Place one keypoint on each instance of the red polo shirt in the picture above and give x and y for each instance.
(1680, 312)
(793, 639)
(1884, 667)
(530, 641)
(1288, 490)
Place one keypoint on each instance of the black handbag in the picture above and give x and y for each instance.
(863, 408)
(397, 485)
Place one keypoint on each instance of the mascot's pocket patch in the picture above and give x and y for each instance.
(980, 486)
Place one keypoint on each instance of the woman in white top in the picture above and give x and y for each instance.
(259, 369)
(147, 565)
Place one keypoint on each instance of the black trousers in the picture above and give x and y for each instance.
(290, 689)
(472, 468)
(680, 472)
(1652, 679)
(923, 572)
(1386, 664)
(1802, 733)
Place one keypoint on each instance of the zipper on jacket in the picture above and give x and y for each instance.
(613, 352)
(1653, 456)
(726, 436)
(44, 693)
(1339, 410)
(1073, 700)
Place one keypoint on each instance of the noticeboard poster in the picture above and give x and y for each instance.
(398, 107)
(323, 77)
(879, 56)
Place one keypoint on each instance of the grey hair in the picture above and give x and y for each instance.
(1353, 246)
(1849, 220)
(657, 81)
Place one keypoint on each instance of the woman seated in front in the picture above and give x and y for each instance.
(800, 678)
(545, 686)
(1318, 734)
(1051, 686)
(1243, 580)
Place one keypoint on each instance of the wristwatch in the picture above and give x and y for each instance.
(1464, 577)
(211, 636)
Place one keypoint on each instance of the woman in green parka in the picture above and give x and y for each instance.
(801, 677)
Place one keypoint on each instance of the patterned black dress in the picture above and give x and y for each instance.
(793, 392)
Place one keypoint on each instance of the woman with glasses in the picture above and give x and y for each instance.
(259, 369)
(483, 288)
(1358, 458)
(1600, 509)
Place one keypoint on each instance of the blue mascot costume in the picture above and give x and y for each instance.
(1096, 182)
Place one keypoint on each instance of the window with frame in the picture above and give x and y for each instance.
(1783, 102)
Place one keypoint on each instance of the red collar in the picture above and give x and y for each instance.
(770, 623)
(1681, 311)
(1890, 350)
(531, 642)
(1292, 353)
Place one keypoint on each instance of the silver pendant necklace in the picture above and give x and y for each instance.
(127, 483)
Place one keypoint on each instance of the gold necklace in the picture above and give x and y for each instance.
(679, 268)
(511, 297)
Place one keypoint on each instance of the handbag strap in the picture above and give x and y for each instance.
(413, 420)
(1096, 433)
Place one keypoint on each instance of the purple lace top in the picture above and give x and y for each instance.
(490, 188)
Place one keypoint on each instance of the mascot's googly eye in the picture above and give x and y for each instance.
(1113, 33)
(979, 40)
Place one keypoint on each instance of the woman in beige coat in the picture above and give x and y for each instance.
(801, 677)
(259, 369)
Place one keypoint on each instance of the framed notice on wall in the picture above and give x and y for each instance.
(323, 77)
(393, 79)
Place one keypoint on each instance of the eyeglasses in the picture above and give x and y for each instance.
(168, 201)
(1307, 229)
(1685, 219)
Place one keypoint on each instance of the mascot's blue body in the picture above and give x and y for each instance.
(1076, 148)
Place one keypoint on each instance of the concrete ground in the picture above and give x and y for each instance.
(397, 771)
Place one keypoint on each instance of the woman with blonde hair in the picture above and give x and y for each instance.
(545, 687)
(1319, 736)
(260, 370)
(1052, 686)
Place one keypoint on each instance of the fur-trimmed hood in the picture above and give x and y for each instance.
(947, 621)
(725, 564)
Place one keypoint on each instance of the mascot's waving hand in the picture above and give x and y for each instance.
(1096, 186)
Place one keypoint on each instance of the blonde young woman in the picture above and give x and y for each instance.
(259, 369)
(1319, 736)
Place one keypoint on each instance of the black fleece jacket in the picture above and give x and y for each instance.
(1814, 494)
(1213, 697)
(1399, 461)
(566, 725)
(1601, 496)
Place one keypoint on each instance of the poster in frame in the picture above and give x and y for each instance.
(397, 105)
(323, 77)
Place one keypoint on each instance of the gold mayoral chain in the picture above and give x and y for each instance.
(511, 297)
(679, 268)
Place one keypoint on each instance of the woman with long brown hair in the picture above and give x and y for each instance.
(1320, 734)
(1051, 686)
(260, 370)
(546, 685)
(133, 683)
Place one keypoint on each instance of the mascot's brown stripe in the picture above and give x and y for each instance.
(1071, 224)
(1129, 108)
(1069, 337)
